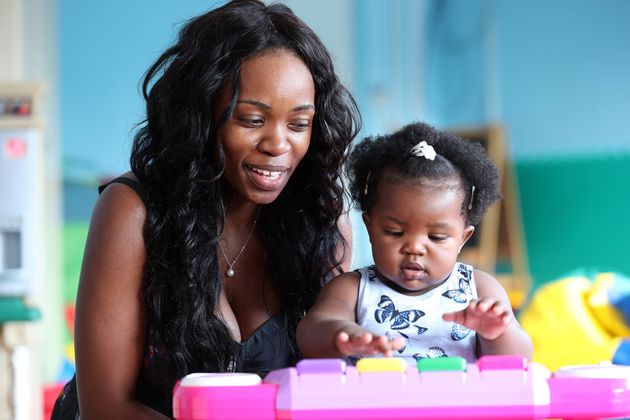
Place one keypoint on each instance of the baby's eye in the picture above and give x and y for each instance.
(438, 238)
(393, 232)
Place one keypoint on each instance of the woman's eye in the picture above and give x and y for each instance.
(251, 122)
(302, 125)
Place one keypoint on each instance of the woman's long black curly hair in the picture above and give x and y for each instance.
(456, 158)
(179, 161)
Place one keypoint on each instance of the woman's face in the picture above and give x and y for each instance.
(270, 130)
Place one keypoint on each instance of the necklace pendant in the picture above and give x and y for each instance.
(230, 270)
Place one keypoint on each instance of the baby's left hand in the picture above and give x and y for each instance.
(487, 316)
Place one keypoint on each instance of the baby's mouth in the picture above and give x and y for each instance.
(412, 270)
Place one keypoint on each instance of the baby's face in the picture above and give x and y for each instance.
(416, 232)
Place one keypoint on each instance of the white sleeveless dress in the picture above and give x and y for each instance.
(418, 319)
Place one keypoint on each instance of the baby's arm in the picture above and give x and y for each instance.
(491, 317)
(330, 329)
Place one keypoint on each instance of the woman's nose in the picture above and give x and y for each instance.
(275, 141)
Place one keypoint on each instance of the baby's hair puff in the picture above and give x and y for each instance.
(457, 159)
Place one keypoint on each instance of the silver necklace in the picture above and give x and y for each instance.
(230, 271)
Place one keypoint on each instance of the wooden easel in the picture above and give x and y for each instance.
(498, 245)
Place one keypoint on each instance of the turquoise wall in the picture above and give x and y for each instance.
(576, 213)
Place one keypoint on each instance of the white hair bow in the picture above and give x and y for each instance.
(423, 149)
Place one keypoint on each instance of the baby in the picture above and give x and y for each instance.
(421, 192)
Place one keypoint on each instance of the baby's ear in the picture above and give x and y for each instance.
(368, 225)
(468, 232)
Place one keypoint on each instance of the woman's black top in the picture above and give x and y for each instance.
(270, 347)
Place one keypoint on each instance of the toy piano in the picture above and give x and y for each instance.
(590, 391)
(499, 387)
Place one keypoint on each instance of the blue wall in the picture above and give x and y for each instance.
(453, 45)
(554, 73)
(565, 69)
(105, 47)
(388, 77)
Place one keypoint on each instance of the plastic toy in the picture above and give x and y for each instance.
(496, 387)
(587, 314)
(590, 391)
(439, 388)
(223, 396)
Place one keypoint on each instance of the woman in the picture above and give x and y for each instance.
(206, 256)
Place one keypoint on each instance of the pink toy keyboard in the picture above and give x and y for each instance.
(590, 391)
(496, 387)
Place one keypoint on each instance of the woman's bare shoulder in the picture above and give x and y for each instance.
(117, 223)
(120, 200)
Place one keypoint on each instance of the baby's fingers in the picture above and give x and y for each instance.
(380, 345)
(505, 317)
(487, 305)
(342, 337)
(387, 346)
(351, 343)
(458, 317)
(395, 344)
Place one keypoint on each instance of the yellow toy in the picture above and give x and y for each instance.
(577, 320)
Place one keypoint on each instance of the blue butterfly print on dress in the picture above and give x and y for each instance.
(399, 320)
(391, 335)
(419, 330)
(459, 332)
(432, 353)
(371, 272)
(460, 295)
(465, 271)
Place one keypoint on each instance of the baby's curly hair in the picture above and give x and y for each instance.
(457, 159)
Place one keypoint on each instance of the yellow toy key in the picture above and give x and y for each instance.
(381, 364)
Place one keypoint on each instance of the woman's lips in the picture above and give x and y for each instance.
(267, 177)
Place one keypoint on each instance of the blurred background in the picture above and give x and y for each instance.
(546, 80)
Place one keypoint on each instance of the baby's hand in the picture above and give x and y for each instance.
(487, 316)
(360, 341)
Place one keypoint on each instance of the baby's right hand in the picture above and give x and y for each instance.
(362, 342)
